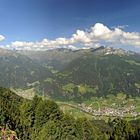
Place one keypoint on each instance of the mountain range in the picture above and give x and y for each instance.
(67, 74)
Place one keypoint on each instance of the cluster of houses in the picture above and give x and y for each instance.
(107, 111)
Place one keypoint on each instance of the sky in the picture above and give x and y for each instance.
(42, 24)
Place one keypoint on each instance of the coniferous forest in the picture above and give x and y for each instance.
(41, 119)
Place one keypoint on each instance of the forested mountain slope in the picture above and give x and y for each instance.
(18, 71)
(41, 119)
(96, 73)
(72, 74)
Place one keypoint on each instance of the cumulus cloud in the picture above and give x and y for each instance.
(2, 38)
(95, 36)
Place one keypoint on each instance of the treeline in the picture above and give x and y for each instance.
(41, 119)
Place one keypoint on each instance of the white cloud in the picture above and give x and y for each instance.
(99, 30)
(2, 38)
(21, 44)
(96, 35)
(81, 37)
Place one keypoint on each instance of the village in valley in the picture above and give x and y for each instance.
(112, 112)
(111, 106)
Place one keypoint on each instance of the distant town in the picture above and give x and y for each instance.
(107, 111)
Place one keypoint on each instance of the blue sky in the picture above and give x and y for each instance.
(34, 20)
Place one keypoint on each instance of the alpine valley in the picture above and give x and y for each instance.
(77, 75)
(96, 90)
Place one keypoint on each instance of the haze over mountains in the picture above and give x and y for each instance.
(72, 74)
